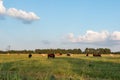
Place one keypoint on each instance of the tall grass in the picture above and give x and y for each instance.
(75, 67)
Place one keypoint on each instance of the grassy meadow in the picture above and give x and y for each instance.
(75, 67)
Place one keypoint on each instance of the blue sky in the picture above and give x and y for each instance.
(72, 24)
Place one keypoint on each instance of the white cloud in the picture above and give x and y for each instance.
(2, 8)
(23, 15)
(90, 36)
(93, 37)
(26, 17)
(115, 35)
(70, 36)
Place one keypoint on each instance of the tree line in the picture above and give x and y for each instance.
(63, 51)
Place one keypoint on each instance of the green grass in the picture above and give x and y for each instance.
(75, 67)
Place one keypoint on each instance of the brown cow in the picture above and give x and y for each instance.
(87, 54)
(52, 55)
(30, 55)
(68, 54)
(96, 55)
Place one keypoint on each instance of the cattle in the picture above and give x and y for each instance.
(68, 54)
(96, 55)
(60, 53)
(30, 55)
(87, 54)
(52, 55)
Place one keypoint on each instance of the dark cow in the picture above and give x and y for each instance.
(96, 55)
(68, 54)
(52, 55)
(60, 53)
(87, 54)
(30, 55)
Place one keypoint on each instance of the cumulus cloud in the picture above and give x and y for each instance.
(22, 15)
(70, 36)
(90, 36)
(26, 17)
(115, 35)
(96, 37)
(2, 10)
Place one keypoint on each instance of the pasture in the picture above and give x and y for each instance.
(75, 67)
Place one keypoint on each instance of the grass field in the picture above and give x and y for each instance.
(75, 67)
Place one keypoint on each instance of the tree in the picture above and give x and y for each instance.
(89, 50)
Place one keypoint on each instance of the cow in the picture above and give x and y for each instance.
(60, 53)
(68, 54)
(52, 55)
(96, 55)
(87, 54)
(30, 55)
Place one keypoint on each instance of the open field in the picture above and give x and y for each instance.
(75, 67)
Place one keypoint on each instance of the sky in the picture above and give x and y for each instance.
(66, 24)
